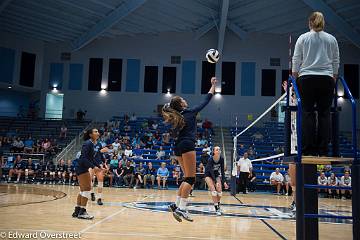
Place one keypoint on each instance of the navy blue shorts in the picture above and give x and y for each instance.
(83, 166)
(184, 146)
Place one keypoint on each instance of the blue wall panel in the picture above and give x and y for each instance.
(75, 76)
(133, 75)
(7, 65)
(188, 77)
(248, 78)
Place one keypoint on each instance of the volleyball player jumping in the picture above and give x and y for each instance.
(215, 176)
(87, 160)
(183, 121)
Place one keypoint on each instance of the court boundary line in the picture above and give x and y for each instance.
(109, 217)
(266, 223)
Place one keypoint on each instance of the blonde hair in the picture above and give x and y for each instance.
(317, 21)
(171, 113)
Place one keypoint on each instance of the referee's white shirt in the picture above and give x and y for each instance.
(316, 53)
(245, 165)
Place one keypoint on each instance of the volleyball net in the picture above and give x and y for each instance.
(263, 138)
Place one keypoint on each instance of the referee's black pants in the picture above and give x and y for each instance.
(244, 179)
(316, 90)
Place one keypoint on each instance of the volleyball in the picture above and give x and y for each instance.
(212, 55)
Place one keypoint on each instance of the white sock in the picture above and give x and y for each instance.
(99, 195)
(183, 203)
(177, 201)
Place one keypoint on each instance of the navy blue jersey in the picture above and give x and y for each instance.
(89, 154)
(150, 171)
(18, 165)
(215, 169)
(50, 167)
(189, 114)
(61, 168)
(99, 156)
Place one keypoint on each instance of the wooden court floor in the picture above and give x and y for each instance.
(141, 214)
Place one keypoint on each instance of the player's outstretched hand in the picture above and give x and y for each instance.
(104, 150)
(213, 80)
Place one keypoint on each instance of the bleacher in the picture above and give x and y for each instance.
(39, 129)
(149, 155)
(271, 144)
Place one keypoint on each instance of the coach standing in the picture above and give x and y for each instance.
(315, 65)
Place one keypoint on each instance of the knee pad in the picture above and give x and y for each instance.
(214, 193)
(26, 172)
(190, 180)
(219, 194)
(86, 194)
(100, 184)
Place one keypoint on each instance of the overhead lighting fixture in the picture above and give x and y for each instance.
(9, 87)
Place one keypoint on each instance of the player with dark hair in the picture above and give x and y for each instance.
(183, 121)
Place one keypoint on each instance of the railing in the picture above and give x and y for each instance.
(69, 150)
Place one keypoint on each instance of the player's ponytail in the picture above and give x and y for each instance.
(171, 113)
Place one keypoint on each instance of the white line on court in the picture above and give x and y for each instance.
(109, 217)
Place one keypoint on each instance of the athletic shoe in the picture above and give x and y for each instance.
(293, 209)
(93, 197)
(99, 202)
(184, 214)
(286, 194)
(172, 208)
(76, 212)
(292, 206)
(218, 212)
(84, 215)
(343, 198)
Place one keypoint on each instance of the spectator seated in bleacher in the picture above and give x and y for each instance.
(287, 183)
(128, 151)
(45, 145)
(72, 177)
(252, 182)
(333, 181)
(277, 179)
(16, 169)
(17, 145)
(162, 175)
(128, 174)
(346, 182)
(201, 141)
(176, 170)
(49, 172)
(139, 174)
(118, 174)
(29, 145)
(207, 149)
(200, 177)
(149, 175)
(61, 172)
(322, 181)
(160, 154)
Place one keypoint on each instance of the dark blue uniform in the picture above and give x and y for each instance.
(215, 169)
(99, 156)
(88, 157)
(185, 141)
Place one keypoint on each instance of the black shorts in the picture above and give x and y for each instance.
(184, 146)
(83, 166)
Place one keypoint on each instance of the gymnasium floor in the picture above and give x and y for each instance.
(141, 214)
